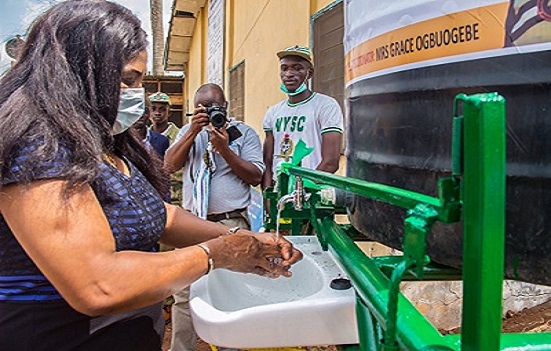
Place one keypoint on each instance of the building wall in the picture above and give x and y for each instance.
(318, 5)
(196, 70)
(255, 31)
(258, 32)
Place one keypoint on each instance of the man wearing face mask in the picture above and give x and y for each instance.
(313, 117)
(221, 158)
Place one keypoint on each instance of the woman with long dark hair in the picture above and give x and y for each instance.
(81, 208)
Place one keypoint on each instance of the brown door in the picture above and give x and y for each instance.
(329, 53)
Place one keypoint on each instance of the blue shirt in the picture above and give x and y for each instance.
(227, 192)
(135, 211)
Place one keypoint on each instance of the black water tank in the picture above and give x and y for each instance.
(399, 133)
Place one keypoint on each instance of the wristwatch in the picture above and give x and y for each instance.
(232, 230)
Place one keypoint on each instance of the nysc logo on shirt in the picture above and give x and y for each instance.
(290, 123)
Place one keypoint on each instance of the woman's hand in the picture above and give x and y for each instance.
(248, 252)
(289, 253)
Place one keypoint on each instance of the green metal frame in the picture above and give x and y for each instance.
(476, 192)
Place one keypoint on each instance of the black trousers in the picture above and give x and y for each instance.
(55, 326)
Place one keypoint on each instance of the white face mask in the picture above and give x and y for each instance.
(301, 89)
(131, 109)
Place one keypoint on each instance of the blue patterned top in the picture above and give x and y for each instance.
(134, 209)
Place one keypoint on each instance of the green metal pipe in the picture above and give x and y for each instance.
(414, 332)
(396, 196)
(393, 296)
(370, 336)
(457, 146)
(517, 341)
(483, 220)
(526, 342)
(432, 271)
(457, 137)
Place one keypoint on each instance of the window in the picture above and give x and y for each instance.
(237, 91)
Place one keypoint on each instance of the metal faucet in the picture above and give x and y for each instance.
(285, 199)
(297, 197)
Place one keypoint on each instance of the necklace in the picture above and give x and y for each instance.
(110, 159)
(117, 163)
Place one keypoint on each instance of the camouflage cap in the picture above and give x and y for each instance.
(160, 97)
(297, 50)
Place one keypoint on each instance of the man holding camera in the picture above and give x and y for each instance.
(221, 158)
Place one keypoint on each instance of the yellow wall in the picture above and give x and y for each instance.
(196, 70)
(255, 31)
(260, 29)
(318, 5)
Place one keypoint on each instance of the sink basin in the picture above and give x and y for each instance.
(237, 310)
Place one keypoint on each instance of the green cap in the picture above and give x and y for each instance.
(296, 50)
(160, 97)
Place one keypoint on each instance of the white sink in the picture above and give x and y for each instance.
(238, 310)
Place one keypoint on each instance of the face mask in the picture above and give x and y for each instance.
(302, 88)
(131, 109)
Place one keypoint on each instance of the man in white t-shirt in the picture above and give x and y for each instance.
(313, 117)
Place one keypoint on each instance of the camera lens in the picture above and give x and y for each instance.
(217, 117)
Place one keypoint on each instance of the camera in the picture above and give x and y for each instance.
(217, 116)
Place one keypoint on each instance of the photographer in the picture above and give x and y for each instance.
(221, 158)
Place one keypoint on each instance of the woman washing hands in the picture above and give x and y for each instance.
(80, 207)
(246, 245)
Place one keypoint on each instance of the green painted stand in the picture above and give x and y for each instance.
(475, 194)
